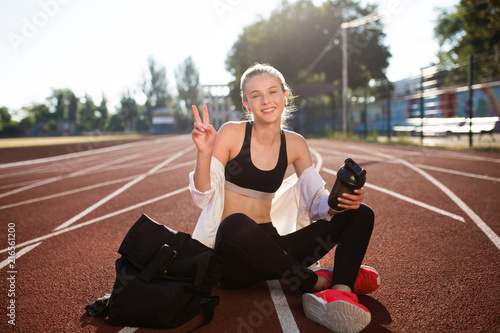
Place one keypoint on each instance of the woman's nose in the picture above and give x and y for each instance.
(265, 99)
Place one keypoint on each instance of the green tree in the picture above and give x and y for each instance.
(27, 123)
(60, 104)
(189, 93)
(87, 114)
(155, 87)
(60, 101)
(103, 112)
(303, 41)
(115, 123)
(73, 103)
(129, 111)
(188, 84)
(5, 117)
(41, 113)
(470, 28)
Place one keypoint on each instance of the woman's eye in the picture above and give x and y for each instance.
(255, 96)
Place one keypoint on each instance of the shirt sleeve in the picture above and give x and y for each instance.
(212, 203)
(313, 195)
(202, 199)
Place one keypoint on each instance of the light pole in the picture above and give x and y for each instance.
(344, 26)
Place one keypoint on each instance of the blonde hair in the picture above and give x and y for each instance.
(258, 69)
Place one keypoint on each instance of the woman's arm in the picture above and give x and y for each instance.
(302, 160)
(204, 136)
(298, 152)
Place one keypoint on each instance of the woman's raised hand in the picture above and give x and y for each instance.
(203, 133)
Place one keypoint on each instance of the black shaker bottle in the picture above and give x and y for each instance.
(349, 178)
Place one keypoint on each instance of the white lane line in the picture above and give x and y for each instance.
(97, 219)
(128, 330)
(27, 187)
(83, 153)
(351, 155)
(283, 311)
(474, 217)
(470, 157)
(477, 220)
(122, 189)
(18, 254)
(285, 316)
(7, 186)
(50, 167)
(405, 198)
(74, 174)
(319, 159)
(460, 173)
(116, 167)
(16, 173)
(61, 194)
(90, 187)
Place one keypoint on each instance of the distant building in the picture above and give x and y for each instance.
(221, 110)
(163, 121)
(406, 87)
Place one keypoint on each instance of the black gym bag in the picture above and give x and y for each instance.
(164, 278)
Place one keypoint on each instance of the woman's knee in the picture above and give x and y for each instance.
(362, 219)
(366, 216)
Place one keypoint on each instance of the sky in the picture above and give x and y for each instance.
(102, 47)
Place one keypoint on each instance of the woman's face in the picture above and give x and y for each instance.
(265, 98)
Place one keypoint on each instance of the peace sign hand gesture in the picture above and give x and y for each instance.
(203, 133)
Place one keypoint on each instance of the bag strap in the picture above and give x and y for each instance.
(208, 304)
(165, 255)
(99, 308)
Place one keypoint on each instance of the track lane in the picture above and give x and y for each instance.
(413, 248)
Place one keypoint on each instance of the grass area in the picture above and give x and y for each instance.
(63, 140)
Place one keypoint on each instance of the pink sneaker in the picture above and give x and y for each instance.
(367, 281)
(337, 310)
(326, 273)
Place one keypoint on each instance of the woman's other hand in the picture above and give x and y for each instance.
(352, 201)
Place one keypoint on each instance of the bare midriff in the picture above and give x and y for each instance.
(257, 209)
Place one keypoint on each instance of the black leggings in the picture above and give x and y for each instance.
(255, 252)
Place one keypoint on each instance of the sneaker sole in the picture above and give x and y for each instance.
(338, 316)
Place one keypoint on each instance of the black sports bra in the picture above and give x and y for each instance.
(243, 177)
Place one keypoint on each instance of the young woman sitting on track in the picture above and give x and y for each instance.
(238, 172)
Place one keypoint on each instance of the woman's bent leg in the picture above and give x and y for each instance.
(350, 231)
(251, 255)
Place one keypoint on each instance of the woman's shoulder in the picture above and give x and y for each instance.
(294, 138)
(232, 129)
(297, 150)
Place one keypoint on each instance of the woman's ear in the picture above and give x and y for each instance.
(287, 93)
(245, 104)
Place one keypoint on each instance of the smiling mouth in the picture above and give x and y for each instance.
(268, 110)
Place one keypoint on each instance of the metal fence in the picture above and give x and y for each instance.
(463, 99)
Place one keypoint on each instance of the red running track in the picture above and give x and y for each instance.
(435, 241)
